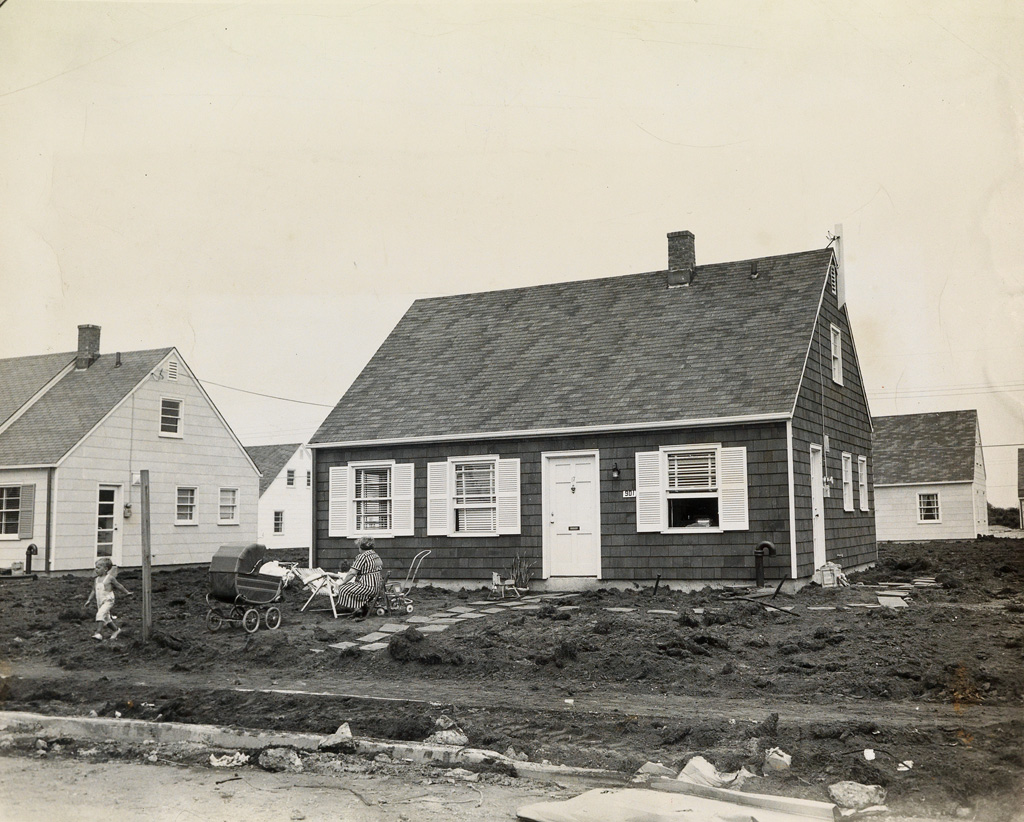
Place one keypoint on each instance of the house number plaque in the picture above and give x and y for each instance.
(628, 494)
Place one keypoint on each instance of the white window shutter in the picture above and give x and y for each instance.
(439, 503)
(338, 502)
(732, 515)
(651, 508)
(27, 514)
(507, 480)
(403, 485)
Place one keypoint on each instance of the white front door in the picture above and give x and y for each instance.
(109, 519)
(818, 504)
(572, 515)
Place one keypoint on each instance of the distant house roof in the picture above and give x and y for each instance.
(62, 417)
(270, 459)
(606, 352)
(922, 448)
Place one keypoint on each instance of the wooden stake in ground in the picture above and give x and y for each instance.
(147, 578)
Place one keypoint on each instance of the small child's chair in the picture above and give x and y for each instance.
(500, 588)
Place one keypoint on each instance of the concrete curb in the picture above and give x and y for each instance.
(144, 732)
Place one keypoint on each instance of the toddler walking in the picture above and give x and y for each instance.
(103, 592)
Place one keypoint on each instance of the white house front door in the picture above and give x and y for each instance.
(818, 504)
(108, 523)
(572, 515)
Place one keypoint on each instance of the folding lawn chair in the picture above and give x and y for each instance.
(324, 583)
(502, 587)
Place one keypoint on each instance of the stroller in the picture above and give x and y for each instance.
(394, 596)
(239, 594)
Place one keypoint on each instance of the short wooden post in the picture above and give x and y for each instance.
(147, 577)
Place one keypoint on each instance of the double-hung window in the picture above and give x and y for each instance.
(170, 417)
(928, 508)
(473, 496)
(185, 506)
(10, 511)
(228, 512)
(862, 482)
(692, 488)
(837, 355)
(278, 522)
(847, 482)
(290, 478)
(370, 498)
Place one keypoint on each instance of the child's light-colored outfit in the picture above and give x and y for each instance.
(104, 597)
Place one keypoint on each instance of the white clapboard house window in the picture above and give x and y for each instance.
(928, 508)
(847, 482)
(228, 509)
(171, 413)
(473, 496)
(684, 488)
(371, 499)
(17, 511)
(185, 506)
(862, 482)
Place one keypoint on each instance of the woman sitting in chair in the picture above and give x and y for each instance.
(363, 581)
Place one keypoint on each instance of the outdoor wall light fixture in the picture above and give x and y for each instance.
(615, 471)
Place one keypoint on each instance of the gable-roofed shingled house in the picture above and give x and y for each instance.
(614, 430)
(929, 477)
(286, 495)
(77, 428)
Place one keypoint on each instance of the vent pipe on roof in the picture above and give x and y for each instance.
(88, 346)
(840, 267)
(681, 258)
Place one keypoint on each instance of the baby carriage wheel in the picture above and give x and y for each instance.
(251, 620)
(381, 610)
(272, 618)
(213, 619)
(408, 608)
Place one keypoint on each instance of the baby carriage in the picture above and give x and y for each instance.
(239, 594)
(394, 596)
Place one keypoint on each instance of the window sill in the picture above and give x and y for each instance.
(230, 522)
(464, 535)
(168, 436)
(372, 534)
(187, 524)
(10, 537)
(694, 531)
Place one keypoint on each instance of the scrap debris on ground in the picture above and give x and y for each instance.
(919, 659)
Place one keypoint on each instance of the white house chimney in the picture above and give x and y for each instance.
(88, 346)
(840, 267)
(681, 258)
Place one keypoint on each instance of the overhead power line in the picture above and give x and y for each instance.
(266, 396)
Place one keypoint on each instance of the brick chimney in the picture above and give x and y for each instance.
(681, 258)
(88, 346)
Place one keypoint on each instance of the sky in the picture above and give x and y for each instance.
(268, 186)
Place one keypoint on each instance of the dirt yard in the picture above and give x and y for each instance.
(939, 683)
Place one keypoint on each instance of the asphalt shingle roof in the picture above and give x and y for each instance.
(22, 377)
(67, 412)
(621, 350)
(922, 448)
(270, 459)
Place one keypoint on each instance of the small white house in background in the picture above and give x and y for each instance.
(286, 495)
(929, 477)
(76, 430)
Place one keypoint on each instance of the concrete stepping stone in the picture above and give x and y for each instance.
(621, 610)
(482, 602)
(461, 609)
(433, 628)
(415, 619)
(373, 636)
(472, 616)
(391, 628)
(374, 646)
(493, 611)
(530, 607)
(442, 615)
(663, 612)
(821, 607)
(342, 646)
(567, 608)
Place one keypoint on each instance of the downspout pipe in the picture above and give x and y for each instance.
(48, 545)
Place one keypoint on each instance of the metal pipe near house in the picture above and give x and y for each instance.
(759, 560)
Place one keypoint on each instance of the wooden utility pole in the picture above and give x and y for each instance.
(147, 577)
